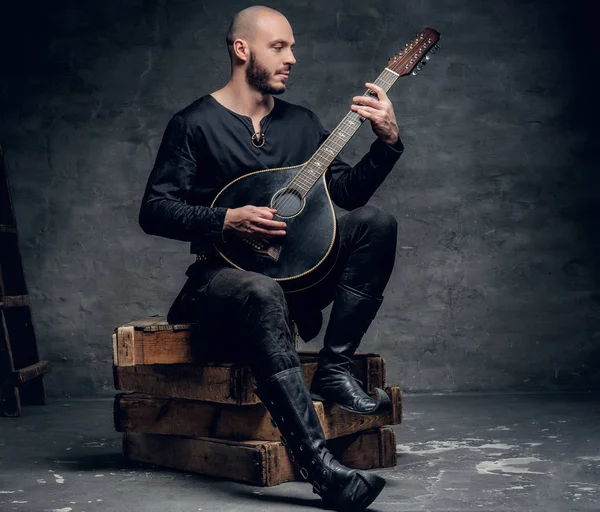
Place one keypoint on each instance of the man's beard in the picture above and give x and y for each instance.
(258, 77)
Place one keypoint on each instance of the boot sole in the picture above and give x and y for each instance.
(384, 407)
(376, 483)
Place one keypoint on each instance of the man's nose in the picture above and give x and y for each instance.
(290, 58)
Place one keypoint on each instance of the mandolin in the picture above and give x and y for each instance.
(309, 249)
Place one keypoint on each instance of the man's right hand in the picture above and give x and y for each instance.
(254, 222)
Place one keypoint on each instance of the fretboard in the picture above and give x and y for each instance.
(321, 160)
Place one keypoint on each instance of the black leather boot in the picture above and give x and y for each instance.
(351, 315)
(286, 397)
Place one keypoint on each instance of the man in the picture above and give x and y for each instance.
(243, 128)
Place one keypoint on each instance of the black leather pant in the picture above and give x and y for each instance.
(245, 316)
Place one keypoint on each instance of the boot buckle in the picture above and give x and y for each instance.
(304, 473)
(316, 487)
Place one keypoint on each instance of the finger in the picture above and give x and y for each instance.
(382, 112)
(270, 224)
(271, 234)
(381, 94)
(366, 112)
(258, 233)
(366, 100)
(258, 225)
(364, 115)
(266, 213)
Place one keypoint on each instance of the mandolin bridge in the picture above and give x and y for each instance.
(264, 248)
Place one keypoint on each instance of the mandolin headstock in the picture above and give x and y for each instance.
(416, 53)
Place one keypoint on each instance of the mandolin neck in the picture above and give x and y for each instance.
(348, 126)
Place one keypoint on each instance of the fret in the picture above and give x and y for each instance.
(303, 182)
(339, 137)
(306, 180)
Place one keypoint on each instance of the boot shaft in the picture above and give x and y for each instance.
(287, 398)
(351, 316)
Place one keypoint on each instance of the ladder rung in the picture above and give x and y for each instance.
(7, 228)
(14, 301)
(31, 372)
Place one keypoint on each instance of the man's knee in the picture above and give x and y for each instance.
(376, 219)
(260, 289)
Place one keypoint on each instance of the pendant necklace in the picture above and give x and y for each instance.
(258, 140)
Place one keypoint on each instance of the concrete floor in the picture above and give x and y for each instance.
(455, 452)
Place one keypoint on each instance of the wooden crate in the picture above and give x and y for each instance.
(153, 357)
(261, 463)
(228, 383)
(137, 412)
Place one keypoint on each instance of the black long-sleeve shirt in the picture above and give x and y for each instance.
(205, 146)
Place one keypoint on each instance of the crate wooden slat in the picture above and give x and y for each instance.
(260, 463)
(137, 412)
(155, 344)
(153, 340)
(228, 383)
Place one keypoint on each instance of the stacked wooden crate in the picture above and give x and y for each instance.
(179, 411)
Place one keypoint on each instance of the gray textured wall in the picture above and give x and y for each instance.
(496, 284)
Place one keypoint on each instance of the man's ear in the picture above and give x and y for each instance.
(241, 49)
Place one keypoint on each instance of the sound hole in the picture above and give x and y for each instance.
(288, 202)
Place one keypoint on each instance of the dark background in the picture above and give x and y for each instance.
(496, 282)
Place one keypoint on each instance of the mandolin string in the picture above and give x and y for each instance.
(351, 117)
(347, 127)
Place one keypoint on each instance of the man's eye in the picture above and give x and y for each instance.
(277, 48)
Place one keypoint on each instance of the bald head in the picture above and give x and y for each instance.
(246, 22)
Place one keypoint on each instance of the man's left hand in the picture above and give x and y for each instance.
(380, 112)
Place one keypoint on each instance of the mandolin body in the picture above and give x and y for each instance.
(308, 251)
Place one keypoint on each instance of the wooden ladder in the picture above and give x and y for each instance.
(21, 370)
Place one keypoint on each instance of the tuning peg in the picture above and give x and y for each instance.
(427, 57)
(419, 67)
(414, 73)
(437, 47)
